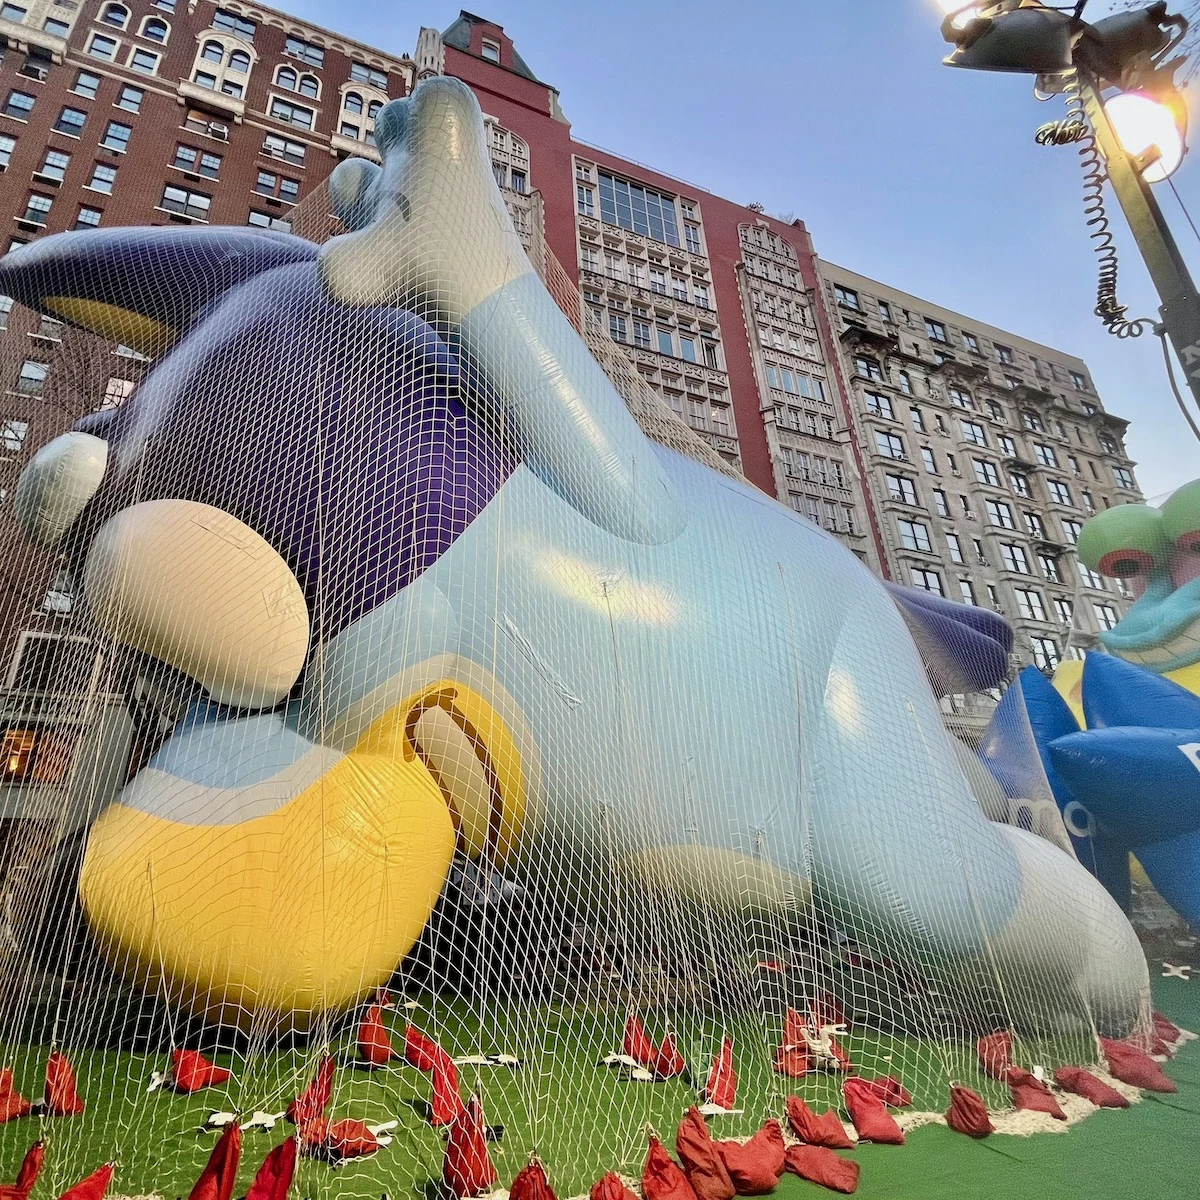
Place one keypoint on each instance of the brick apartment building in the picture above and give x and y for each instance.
(190, 112)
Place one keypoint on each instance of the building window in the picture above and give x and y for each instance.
(585, 200)
(901, 489)
(1000, 514)
(691, 237)
(906, 383)
(666, 342)
(700, 295)
(956, 554)
(986, 473)
(868, 368)
(102, 47)
(54, 165)
(973, 432)
(282, 148)
(1033, 522)
(7, 146)
(116, 15)
(1004, 355)
(846, 296)
(1063, 609)
(941, 503)
(156, 30)
(131, 99)
(885, 312)
(936, 331)
(103, 178)
(1029, 604)
(88, 218)
(1014, 558)
(86, 84)
(1007, 446)
(687, 348)
(637, 208)
(1050, 569)
(881, 406)
(1122, 477)
(190, 204)
(1045, 454)
(187, 158)
(928, 458)
(641, 335)
(966, 590)
(1020, 484)
(292, 114)
(30, 382)
(1059, 492)
(13, 12)
(19, 105)
(1091, 579)
(231, 22)
(929, 581)
(37, 209)
(116, 137)
(362, 73)
(961, 397)
(1045, 653)
(972, 342)
(914, 535)
(617, 327)
(1080, 381)
(1106, 615)
(1032, 422)
(309, 85)
(71, 122)
(491, 51)
(264, 220)
(890, 445)
(307, 52)
(918, 420)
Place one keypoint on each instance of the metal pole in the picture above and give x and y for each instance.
(1180, 300)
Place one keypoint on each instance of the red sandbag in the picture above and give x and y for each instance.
(374, 1042)
(636, 1044)
(669, 1063)
(1031, 1094)
(531, 1184)
(755, 1166)
(888, 1089)
(792, 1058)
(191, 1071)
(314, 1100)
(445, 1105)
(873, 1122)
(820, 1165)
(1084, 1083)
(827, 1010)
(1130, 1065)
(312, 1135)
(220, 1172)
(274, 1177)
(662, 1178)
(422, 1051)
(31, 1168)
(995, 1055)
(1167, 1030)
(350, 1138)
(12, 1103)
(467, 1169)
(968, 1113)
(93, 1187)
(721, 1088)
(62, 1094)
(610, 1187)
(698, 1154)
(826, 1130)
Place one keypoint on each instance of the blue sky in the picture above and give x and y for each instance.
(839, 112)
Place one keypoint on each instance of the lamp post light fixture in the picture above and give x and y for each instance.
(1127, 114)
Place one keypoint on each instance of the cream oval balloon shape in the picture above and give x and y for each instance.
(57, 484)
(193, 586)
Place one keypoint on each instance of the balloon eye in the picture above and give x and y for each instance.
(1189, 542)
(1181, 518)
(1125, 564)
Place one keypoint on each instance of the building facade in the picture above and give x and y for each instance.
(985, 454)
(945, 454)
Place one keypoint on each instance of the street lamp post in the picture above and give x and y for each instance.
(1127, 52)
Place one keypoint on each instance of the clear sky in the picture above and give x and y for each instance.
(839, 112)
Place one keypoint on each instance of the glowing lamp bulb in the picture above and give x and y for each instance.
(1142, 125)
(962, 15)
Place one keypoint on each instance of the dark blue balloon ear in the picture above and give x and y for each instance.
(1116, 692)
(391, 122)
(353, 192)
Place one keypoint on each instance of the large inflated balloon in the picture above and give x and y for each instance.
(530, 636)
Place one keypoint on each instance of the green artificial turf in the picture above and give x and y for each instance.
(586, 1120)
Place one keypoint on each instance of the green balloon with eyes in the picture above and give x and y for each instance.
(1156, 552)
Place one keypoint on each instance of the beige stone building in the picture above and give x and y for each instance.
(984, 454)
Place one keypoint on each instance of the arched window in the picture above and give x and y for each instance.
(239, 60)
(213, 52)
(156, 30)
(115, 14)
(286, 78)
(353, 102)
(309, 86)
(373, 108)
